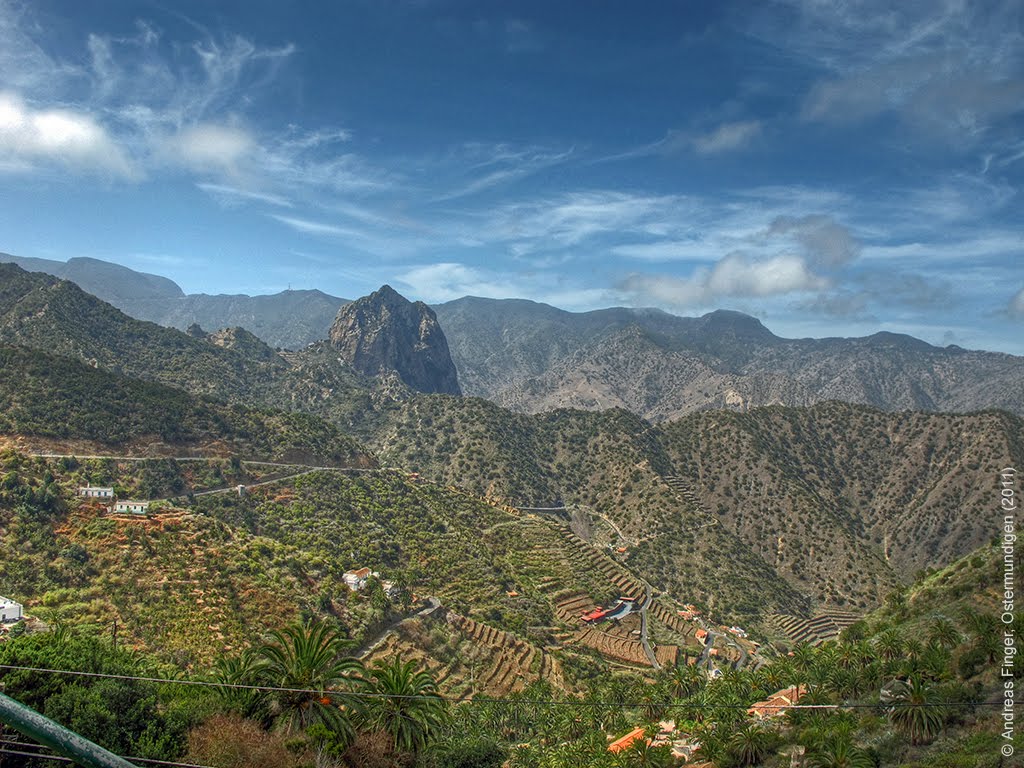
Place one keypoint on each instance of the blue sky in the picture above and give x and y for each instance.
(834, 168)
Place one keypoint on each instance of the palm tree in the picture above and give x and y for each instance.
(944, 633)
(685, 680)
(889, 644)
(306, 661)
(839, 753)
(236, 671)
(750, 744)
(405, 704)
(913, 710)
(642, 755)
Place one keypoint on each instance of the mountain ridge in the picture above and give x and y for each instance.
(531, 357)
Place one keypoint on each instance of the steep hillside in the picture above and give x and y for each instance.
(289, 319)
(499, 580)
(801, 485)
(54, 399)
(836, 503)
(532, 357)
(60, 318)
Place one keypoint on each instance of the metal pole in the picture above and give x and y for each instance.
(57, 737)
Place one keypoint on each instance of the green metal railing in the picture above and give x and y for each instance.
(57, 737)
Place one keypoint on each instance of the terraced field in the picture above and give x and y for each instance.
(821, 627)
(469, 657)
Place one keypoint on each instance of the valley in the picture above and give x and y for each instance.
(510, 556)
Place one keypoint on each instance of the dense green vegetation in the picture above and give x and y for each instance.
(910, 685)
(57, 317)
(54, 397)
(832, 505)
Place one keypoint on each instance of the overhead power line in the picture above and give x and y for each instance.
(147, 760)
(491, 700)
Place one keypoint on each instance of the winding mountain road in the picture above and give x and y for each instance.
(648, 599)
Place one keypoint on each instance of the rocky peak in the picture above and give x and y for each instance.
(386, 332)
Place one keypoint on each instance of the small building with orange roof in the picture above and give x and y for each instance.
(627, 741)
(778, 702)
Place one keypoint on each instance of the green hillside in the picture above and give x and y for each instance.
(779, 507)
(56, 398)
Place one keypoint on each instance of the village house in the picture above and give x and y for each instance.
(627, 741)
(10, 610)
(777, 703)
(131, 507)
(95, 492)
(682, 744)
(357, 579)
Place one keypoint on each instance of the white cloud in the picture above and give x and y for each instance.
(208, 148)
(501, 164)
(577, 217)
(735, 276)
(446, 281)
(950, 68)
(69, 137)
(697, 249)
(435, 283)
(727, 137)
(376, 241)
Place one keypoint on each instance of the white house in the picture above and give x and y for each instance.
(95, 492)
(10, 610)
(132, 507)
(357, 579)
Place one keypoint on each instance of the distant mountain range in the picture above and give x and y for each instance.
(289, 319)
(532, 357)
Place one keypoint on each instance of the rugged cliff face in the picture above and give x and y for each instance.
(386, 332)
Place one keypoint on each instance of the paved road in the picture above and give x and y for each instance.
(432, 605)
(708, 645)
(621, 535)
(648, 598)
(309, 467)
(742, 662)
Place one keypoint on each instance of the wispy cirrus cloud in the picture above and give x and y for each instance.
(727, 137)
(952, 69)
(136, 106)
(477, 167)
(1015, 307)
(233, 196)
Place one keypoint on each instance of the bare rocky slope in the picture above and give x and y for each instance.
(386, 332)
(531, 357)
